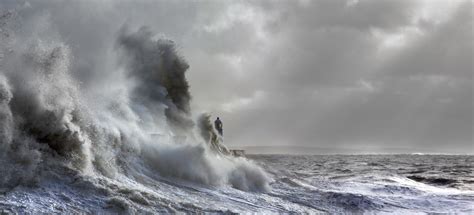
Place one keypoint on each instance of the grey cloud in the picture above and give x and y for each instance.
(422, 96)
(359, 15)
(446, 50)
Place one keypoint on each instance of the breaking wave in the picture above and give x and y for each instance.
(123, 124)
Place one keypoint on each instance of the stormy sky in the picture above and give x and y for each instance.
(370, 75)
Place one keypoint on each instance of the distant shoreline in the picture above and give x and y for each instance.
(308, 150)
(368, 154)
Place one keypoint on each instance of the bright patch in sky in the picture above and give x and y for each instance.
(242, 102)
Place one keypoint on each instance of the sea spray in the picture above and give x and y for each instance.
(159, 75)
(104, 128)
(209, 134)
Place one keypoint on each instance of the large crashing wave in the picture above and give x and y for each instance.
(49, 118)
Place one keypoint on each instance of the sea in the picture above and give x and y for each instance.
(306, 184)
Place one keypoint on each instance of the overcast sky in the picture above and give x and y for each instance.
(365, 74)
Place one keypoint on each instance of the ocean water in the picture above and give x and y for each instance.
(303, 184)
(404, 184)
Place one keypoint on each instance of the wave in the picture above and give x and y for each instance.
(353, 202)
(433, 180)
(50, 117)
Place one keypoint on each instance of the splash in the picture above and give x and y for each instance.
(208, 133)
(111, 127)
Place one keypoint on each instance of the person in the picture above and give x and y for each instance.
(218, 126)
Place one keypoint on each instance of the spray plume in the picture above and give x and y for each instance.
(50, 119)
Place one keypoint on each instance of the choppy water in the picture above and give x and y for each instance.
(374, 183)
(305, 184)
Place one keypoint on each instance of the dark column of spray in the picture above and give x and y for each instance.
(160, 73)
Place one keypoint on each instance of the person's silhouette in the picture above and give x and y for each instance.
(218, 126)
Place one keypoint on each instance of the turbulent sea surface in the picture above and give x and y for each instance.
(374, 183)
(304, 184)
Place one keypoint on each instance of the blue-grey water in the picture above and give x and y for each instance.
(374, 183)
(401, 184)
